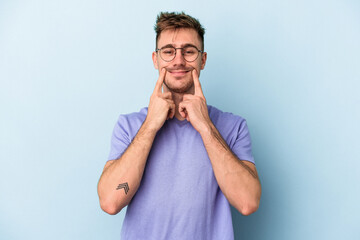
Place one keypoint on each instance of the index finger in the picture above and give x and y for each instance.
(197, 85)
(160, 81)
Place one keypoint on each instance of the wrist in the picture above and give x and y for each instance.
(207, 130)
(150, 127)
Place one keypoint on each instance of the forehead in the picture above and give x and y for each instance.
(179, 37)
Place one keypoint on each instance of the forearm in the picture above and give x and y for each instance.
(237, 179)
(121, 178)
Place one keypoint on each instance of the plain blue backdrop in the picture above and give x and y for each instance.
(69, 68)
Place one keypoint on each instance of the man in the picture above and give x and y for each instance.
(179, 163)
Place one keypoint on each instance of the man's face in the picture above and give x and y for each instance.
(178, 76)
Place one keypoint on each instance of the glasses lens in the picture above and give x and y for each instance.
(190, 54)
(167, 54)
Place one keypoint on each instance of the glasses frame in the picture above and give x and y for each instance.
(158, 50)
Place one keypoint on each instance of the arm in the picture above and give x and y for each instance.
(237, 179)
(121, 177)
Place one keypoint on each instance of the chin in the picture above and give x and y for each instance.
(179, 88)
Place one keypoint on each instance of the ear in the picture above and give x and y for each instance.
(154, 58)
(203, 60)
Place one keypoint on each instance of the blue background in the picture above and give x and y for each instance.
(69, 68)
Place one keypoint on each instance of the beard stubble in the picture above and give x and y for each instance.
(183, 89)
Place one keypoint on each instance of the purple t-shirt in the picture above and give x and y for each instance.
(179, 197)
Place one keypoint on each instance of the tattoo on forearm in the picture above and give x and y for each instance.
(125, 186)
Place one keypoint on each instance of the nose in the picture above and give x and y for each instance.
(179, 58)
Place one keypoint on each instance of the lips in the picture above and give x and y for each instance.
(178, 73)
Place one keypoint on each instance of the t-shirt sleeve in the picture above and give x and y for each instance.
(242, 144)
(120, 138)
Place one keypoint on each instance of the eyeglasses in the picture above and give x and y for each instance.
(190, 53)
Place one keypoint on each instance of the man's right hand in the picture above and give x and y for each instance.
(161, 106)
(129, 168)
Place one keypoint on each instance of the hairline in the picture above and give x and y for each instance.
(176, 29)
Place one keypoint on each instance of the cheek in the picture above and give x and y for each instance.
(162, 64)
(202, 65)
(198, 68)
(199, 64)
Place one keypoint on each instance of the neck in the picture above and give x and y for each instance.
(177, 98)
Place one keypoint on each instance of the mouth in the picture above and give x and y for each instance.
(179, 72)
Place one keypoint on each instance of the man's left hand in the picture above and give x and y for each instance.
(194, 107)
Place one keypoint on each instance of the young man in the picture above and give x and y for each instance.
(179, 163)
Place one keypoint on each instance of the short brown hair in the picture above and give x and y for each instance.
(174, 20)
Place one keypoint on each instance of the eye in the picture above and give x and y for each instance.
(168, 51)
(190, 51)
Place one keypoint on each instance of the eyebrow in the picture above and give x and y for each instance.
(183, 45)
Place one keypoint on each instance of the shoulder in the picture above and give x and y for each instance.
(230, 126)
(221, 118)
(134, 116)
(131, 122)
